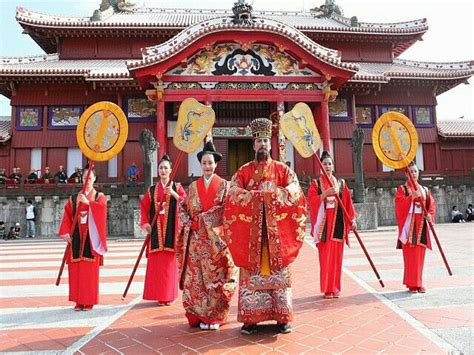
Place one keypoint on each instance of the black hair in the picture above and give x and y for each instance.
(86, 167)
(167, 158)
(209, 148)
(29, 201)
(325, 155)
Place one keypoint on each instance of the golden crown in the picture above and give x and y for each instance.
(261, 128)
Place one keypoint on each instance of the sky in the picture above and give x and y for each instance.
(450, 37)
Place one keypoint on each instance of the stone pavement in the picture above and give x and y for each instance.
(35, 316)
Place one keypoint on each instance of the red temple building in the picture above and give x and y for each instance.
(244, 63)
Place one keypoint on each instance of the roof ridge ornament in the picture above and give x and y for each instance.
(327, 9)
(242, 13)
(109, 7)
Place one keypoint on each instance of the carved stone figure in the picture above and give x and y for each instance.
(357, 146)
(148, 145)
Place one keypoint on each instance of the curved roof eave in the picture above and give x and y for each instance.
(161, 52)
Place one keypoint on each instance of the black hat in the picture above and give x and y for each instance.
(325, 155)
(165, 157)
(209, 149)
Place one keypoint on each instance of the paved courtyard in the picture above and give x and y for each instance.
(37, 318)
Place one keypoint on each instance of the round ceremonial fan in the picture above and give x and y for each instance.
(102, 131)
(395, 140)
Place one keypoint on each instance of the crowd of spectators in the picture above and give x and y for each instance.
(36, 177)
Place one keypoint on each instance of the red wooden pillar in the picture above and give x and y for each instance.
(274, 152)
(321, 118)
(161, 127)
(324, 125)
(281, 140)
(208, 103)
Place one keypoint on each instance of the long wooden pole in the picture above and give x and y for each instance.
(74, 221)
(153, 222)
(355, 231)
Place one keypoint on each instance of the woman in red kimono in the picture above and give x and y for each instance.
(161, 278)
(329, 227)
(413, 229)
(207, 277)
(88, 243)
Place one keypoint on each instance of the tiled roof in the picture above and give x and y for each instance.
(181, 18)
(193, 33)
(406, 69)
(97, 69)
(456, 129)
(5, 128)
(51, 65)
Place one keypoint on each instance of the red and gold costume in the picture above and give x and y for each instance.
(207, 272)
(330, 229)
(264, 231)
(413, 231)
(89, 244)
(161, 278)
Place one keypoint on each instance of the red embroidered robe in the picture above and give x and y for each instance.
(89, 244)
(161, 278)
(264, 231)
(330, 228)
(207, 272)
(413, 231)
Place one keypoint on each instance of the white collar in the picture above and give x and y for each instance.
(207, 181)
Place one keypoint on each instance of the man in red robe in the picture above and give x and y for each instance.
(264, 226)
(413, 229)
(88, 243)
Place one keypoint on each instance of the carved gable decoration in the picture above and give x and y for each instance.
(234, 60)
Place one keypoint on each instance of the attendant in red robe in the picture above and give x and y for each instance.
(413, 229)
(88, 243)
(164, 198)
(329, 226)
(208, 275)
(264, 224)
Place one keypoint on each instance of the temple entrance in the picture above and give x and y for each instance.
(240, 152)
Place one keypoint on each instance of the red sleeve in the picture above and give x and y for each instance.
(402, 206)
(431, 205)
(98, 208)
(145, 209)
(66, 222)
(314, 200)
(348, 204)
(181, 192)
